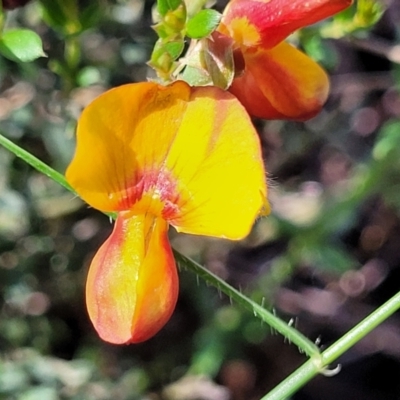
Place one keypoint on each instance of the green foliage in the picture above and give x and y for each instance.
(369, 12)
(356, 19)
(170, 45)
(387, 147)
(164, 56)
(164, 6)
(70, 17)
(173, 49)
(202, 24)
(386, 153)
(172, 27)
(56, 15)
(21, 45)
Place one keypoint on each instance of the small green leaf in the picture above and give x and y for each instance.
(203, 24)
(174, 49)
(163, 6)
(21, 45)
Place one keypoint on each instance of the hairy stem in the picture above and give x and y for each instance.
(292, 334)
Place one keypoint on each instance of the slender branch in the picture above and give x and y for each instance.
(40, 166)
(314, 366)
(294, 336)
(35, 163)
(362, 329)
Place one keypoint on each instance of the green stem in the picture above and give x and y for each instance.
(318, 365)
(292, 335)
(35, 163)
(307, 346)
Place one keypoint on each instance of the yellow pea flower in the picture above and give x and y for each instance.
(159, 156)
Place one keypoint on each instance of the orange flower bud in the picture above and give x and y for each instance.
(281, 83)
(274, 80)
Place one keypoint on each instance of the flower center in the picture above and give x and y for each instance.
(153, 192)
(243, 32)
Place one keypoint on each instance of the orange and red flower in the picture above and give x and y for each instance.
(156, 155)
(275, 80)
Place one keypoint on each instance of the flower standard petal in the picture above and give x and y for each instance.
(217, 161)
(281, 83)
(132, 285)
(268, 22)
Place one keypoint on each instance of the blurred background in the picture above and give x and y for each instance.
(327, 256)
